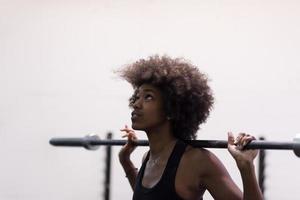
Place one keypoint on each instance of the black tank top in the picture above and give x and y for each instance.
(165, 188)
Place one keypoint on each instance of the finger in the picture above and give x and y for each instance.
(128, 134)
(232, 147)
(239, 137)
(132, 134)
(127, 130)
(125, 127)
(246, 140)
(132, 140)
(230, 138)
(238, 142)
(131, 137)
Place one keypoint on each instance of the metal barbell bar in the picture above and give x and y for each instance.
(92, 142)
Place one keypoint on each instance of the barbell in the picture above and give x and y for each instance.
(92, 142)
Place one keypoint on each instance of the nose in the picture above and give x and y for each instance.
(137, 104)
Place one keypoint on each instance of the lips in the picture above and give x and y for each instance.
(135, 114)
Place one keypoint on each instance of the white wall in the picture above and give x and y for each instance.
(56, 79)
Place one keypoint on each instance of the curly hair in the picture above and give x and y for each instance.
(187, 98)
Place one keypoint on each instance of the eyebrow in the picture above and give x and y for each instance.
(145, 90)
(149, 90)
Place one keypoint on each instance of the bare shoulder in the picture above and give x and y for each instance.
(197, 165)
(199, 154)
(203, 159)
(209, 172)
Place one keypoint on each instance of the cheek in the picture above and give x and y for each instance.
(157, 115)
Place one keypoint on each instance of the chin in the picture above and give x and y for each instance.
(135, 126)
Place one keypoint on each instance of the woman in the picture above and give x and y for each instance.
(171, 99)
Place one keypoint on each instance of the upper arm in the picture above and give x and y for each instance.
(217, 179)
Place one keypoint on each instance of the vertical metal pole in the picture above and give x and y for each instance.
(107, 169)
(261, 168)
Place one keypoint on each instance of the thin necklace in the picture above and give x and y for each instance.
(156, 161)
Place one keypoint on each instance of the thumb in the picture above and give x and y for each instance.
(230, 138)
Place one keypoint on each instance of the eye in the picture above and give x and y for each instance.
(148, 97)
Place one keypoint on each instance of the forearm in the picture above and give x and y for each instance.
(250, 185)
(130, 171)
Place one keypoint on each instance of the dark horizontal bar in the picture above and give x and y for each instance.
(73, 142)
(256, 144)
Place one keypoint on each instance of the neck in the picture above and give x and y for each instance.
(161, 141)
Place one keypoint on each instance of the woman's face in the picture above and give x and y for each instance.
(148, 112)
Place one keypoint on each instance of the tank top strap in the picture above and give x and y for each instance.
(165, 188)
(177, 153)
(174, 158)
